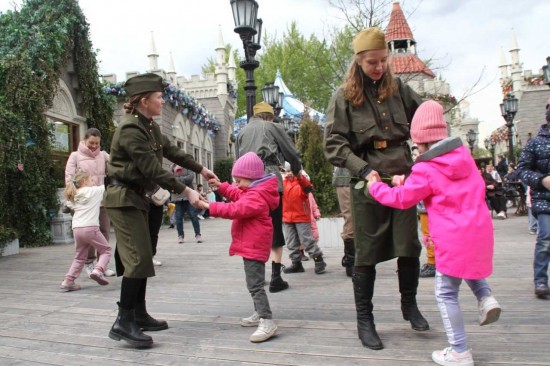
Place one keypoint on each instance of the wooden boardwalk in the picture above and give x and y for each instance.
(201, 291)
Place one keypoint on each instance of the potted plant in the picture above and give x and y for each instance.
(9, 244)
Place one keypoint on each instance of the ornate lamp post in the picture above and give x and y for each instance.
(471, 137)
(508, 109)
(272, 96)
(546, 71)
(490, 146)
(249, 28)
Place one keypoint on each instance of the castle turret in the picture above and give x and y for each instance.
(503, 67)
(232, 68)
(171, 70)
(153, 55)
(516, 67)
(221, 67)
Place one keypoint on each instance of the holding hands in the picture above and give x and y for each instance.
(208, 174)
(372, 177)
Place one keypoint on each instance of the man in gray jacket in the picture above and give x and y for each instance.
(270, 141)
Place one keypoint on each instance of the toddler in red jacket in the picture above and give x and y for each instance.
(251, 198)
(297, 223)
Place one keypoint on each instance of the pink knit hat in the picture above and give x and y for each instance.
(248, 166)
(428, 124)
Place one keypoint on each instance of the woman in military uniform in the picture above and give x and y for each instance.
(136, 170)
(367, 129)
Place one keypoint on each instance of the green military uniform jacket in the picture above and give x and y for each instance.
(137, 150)
(374, 135)
(135, 166)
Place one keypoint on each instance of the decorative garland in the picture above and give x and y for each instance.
(181, 101)
(443, 98)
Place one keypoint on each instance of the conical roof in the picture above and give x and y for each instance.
(398, 28)
(292, 106)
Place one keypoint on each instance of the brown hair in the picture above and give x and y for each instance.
(265, 116)
(134, 100)
(353, 83)
(92, 132)
(77, 182)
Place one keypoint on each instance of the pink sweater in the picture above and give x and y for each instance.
(91, 162)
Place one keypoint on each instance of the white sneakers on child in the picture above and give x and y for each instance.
(67, 286)
(98, 277)
(448, 357)
(266, 329)
(252, 321)
(489, 310)
(89, 267)
(156, 262)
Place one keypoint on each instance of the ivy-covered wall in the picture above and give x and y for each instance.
(36, 43)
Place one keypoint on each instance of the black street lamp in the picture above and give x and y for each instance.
(546, 71)
(471, 137)
(508, 109)
(490, 146)
(272, 96)
(249, 28)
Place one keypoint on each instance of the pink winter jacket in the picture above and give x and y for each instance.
(91, 162)
(251, 230)
(314, 213)
(447, 179)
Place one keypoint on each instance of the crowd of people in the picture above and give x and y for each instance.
(384, 189)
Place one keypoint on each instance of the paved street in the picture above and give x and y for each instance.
(201, 292)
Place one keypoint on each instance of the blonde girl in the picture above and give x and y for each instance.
(85, 199)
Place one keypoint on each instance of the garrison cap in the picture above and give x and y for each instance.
(369, 39)
(144, 83)
(263, 107)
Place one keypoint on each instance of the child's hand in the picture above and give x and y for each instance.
(398, 180)
(317, 217)
(373, 177)
(203, 205)
(214, 182)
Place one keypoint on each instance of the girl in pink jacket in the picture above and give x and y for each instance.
(252, 198)
(445, 177)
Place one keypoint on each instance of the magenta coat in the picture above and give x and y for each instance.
(91, 162)
(251, 230)
(447, 179)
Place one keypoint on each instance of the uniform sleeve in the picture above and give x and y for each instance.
(337, 134)
(415, 189)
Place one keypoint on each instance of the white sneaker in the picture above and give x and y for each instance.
(489, 310)
(156, 262)
(200, 217)
(501, 215)
(199, 238)
(448, 357)
(180, 239)
(252, 321)
(98, 277)
(266, 329)
(109, 273)
(89, 267)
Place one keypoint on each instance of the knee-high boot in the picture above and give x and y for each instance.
(363, 289)
(408, 271)
(348, 260)
(125, 328)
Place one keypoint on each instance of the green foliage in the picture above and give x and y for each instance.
(35, 44)
(222, 168)
(6, 235)
(318, 168)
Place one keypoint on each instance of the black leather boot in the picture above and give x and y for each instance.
(146, 321)
(125, 328)
(296, 267)
(277, 284)
(348, 260)
(363, 289)
(408, 283)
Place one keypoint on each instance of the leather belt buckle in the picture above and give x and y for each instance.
(380, 144)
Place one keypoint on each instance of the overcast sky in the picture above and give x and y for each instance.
(462, 37)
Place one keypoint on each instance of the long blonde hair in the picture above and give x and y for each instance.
(353, 83)
(77, 182)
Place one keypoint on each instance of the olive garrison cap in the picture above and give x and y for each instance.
(263, 107)
(144, 83)
(369, 39)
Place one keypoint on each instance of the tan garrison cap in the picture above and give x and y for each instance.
(369, 39)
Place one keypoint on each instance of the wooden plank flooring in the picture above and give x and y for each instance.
(201, 291)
